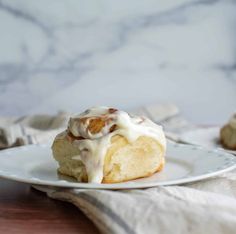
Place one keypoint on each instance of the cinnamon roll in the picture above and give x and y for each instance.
(228, 134)
(106, 145)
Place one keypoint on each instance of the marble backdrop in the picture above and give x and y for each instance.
(71, 54)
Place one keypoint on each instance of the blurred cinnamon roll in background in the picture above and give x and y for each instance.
(228, 134)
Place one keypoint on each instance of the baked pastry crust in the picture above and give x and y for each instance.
(123, 161)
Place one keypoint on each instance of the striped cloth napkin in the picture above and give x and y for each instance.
(202, 207)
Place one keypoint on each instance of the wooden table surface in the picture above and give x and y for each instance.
(25, 210)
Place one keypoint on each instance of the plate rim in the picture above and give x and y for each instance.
(114, 186)
(183, 138)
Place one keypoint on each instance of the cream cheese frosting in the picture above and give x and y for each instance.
(97, 125)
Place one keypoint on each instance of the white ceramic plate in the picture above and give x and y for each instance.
(185, 163)
(207, 137)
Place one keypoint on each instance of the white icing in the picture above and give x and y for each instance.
(94, 147)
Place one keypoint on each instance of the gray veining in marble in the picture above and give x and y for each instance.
(68, 55)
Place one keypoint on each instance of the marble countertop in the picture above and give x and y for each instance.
(69, 55)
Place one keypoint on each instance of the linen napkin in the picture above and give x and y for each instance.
(31, 129)
(202, 207)
(199, 208)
